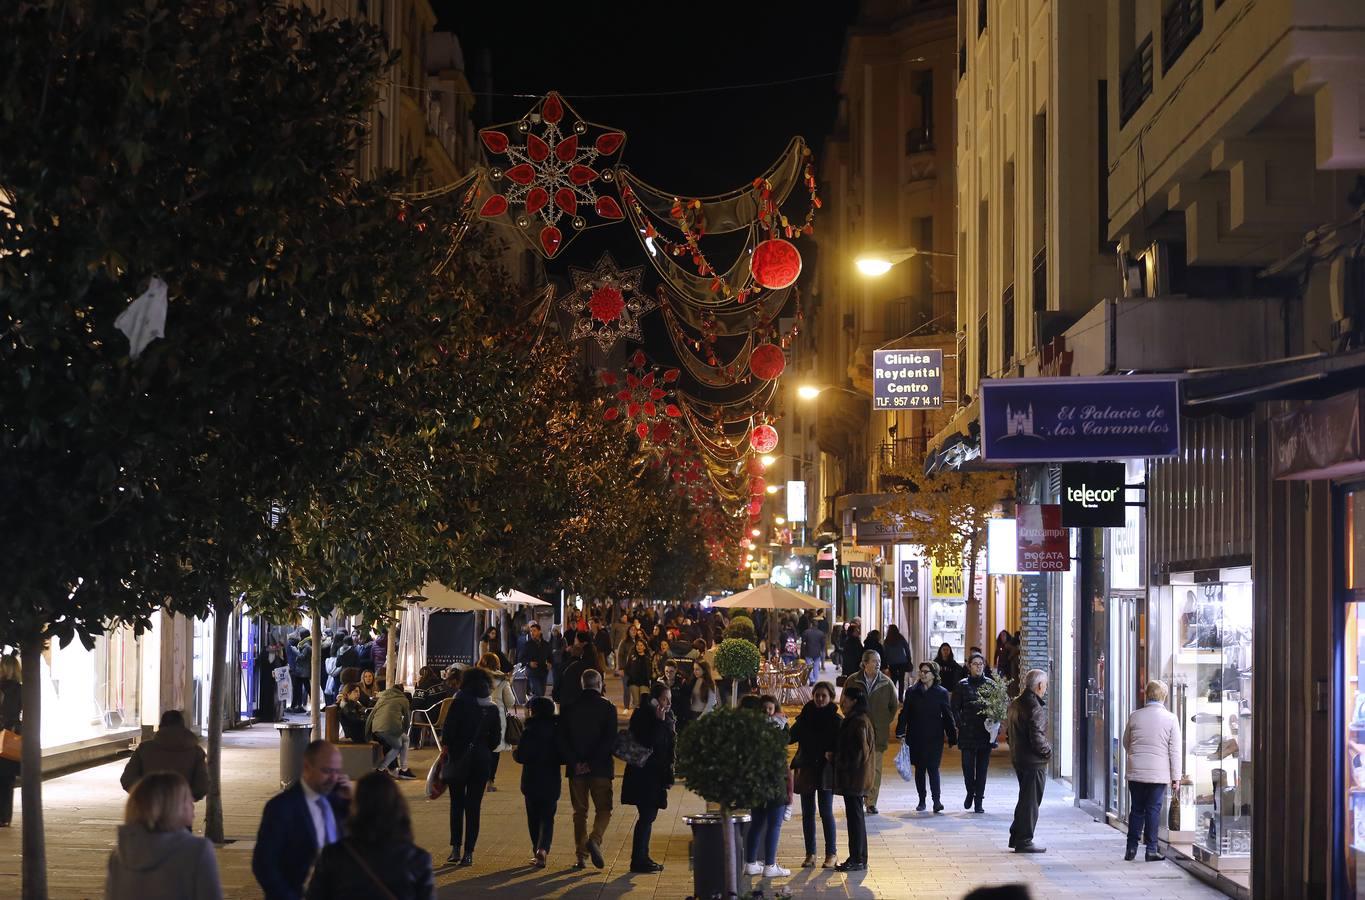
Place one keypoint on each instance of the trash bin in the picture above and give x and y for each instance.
(708, 851)
(294, 738)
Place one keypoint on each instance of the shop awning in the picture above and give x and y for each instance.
(1311, 377)
(1319, 439)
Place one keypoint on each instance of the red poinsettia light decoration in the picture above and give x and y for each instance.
(644, 401)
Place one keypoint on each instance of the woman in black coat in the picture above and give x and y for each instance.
(646, 787)
(815, 732)
(541, 776)
(852, 650)
(950, 671)
(972, 737)
(925, 719)
(471, 734)
(11, 715)
(377, 858)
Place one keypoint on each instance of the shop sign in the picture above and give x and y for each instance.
(1061, 419)
(907, 379)
(1002, 547)
(909, 579)
(945, 582)
(1043, 542)
(869, 528)
(796, 501)
(450, 639)
(1319, 440)
(863, 573)
(1093, 495)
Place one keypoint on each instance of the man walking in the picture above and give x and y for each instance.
(882, 707)
(813, 649)
(586, 737)
(535, 655)
(569, 688)
(299, 821)
(1030, 753)
(174, 748)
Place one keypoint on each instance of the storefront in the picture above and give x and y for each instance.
(1349, 718)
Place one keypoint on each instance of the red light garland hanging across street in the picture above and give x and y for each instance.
(606, 303)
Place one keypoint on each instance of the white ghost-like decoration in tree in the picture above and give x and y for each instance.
(145, 318)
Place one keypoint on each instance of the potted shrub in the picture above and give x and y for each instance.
(742, 627)
(993, 700)
(736, 759)
(736, 658)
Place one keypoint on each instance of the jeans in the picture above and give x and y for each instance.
(817, 665)
(301, 695)
(765, 827)
(1144, 813)
(535, 682)
(1031, 784)
(466, 802)
(857, 828)
(580, 790)
(540, 821)
(825, 800)
(975, 765)
(898, 671)
(644, 828)
(933, 781)
(396, 748)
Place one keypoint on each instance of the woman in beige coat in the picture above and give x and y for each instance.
(1152, 742)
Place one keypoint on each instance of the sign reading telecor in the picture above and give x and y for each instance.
(1093, 495)
(907, 379)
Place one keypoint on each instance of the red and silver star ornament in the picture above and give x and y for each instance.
(552, 175)
(606, 303)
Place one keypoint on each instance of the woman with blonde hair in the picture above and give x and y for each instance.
(11, 719)
(505, 700)
(157, 857)
(1152, 742)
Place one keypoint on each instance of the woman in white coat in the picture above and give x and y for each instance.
(505, 700)
(1152, 742)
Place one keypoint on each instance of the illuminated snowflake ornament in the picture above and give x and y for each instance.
(553, 175)
(606, 303)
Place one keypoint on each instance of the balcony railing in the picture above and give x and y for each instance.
(896, 457)
(1040, 280)
(1135, 85)
(1179, 26)
(1007, 325)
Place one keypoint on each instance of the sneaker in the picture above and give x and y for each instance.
(787, 813)
(579, 865)
(775, 871)
(1029, 848)
(1154, 857)
(406, 774)
(851, 866)
(753, 868)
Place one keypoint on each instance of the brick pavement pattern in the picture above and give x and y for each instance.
(911, 855)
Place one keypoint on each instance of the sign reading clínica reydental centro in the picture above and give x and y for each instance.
(1063, 419)
(907, 379)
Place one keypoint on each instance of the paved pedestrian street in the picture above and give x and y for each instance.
(911, 855)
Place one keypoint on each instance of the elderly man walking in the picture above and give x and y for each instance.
(882, 707)
(1030, 752)
(586, 737)
(1152, 742)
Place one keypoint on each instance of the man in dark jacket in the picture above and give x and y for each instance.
(1030, 752)
(299, 821)
(535, 655)
(569, 688)
(813, 650)
(587, 735)
(173, 748)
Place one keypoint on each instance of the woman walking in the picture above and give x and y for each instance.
(11, 719)
(972, 737)
(623, 651)
(896, 658)
(950, 671)
(854, 758)
(703, 693)
(639, 671)
(765, 826)
(645, 787)
(1152, 742)
(925, 719)
(378, 857)
(505, 699)
(541, 776)
(471, 734)
(157, 855)
(815, 733)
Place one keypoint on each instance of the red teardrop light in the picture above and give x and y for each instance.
(775, 264)
(580, 174)
(495, 141)
(623, 396)
(522, 174)
(767, 362)
(632, 410)
(650, 409)
(553, 110)
(662, 432)
(657, 393)
(671, 375)
(638, 359)
(495, 205)
(642, 431)
(537, 149)
(567, 149)
(763, 438)
(672, 411)
(536, 198)
(550, 239)
(612, 414)
(565, 200)
(608, 208)
(609, 142)
(607, 377)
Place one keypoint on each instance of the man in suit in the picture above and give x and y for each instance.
(299, 821)
(586, 738)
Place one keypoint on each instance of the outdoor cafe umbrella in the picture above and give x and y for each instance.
(515, 597)
(435, 595)
(773, 597)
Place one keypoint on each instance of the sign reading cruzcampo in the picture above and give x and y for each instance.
(1060, 419)
(907, 379)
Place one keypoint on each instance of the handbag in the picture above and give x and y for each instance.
(903, 764)
(435, 786)
(630, 751)
(11, 745)
(511, 733)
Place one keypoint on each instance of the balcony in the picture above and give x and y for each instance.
(1135, 84)
(1179, 26)
(1007, 350)
(899, 455)
(1040, 280)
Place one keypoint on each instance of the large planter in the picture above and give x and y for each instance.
(708, 852)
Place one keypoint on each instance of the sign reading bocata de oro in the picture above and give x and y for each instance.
(907, 379)
(1062, 419)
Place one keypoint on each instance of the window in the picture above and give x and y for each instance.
(1007, 349)
(1180, 24)
(1136, 81)
(983, 367)
(920, 136)
(981, 6)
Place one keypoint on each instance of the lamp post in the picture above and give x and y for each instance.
(876, 263)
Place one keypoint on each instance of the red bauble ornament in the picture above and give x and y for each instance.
(763, 438)
(775, 264)
(606, 304)
(757, 485)
(767, 362)
(756, 506)
(754, 466)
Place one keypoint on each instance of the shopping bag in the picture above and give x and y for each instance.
(903, 764)
(435, 786)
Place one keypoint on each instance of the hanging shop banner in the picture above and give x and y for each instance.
(1043, 541)
(1063, 419)
(909, 579)
(945, 582)
(450, 639)
(1093, 495)
(907, 379)
(796, 501)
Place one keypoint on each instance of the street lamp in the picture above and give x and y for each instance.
(811, 391)
(767, 460)
(876, 263)
(774, 488)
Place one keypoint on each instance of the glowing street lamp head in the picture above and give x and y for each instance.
(774, 488)
(755, 532)
(778, 520)
(872, 265)
(767, 459)
(808, 392)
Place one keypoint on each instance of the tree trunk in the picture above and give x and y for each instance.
(728, 842)
(973, 632)
(213, 807)
(315, 675)
(34, 861)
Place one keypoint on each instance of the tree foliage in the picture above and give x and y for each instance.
(946, 513)
(737, 658)
(734, 757)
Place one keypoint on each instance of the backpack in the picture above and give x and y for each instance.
(793, 648)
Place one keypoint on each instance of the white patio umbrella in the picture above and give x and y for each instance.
(771, 596)
(515, 597)
(435, 595)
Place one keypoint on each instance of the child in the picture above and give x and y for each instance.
(766, 824)
(541, 774)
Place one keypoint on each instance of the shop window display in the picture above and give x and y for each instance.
(1353, 692)
(948, 624)
(90, 694)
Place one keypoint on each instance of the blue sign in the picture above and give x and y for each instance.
(907, 379)
(1060, 419)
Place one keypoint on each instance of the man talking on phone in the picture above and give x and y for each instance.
(299, 821)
